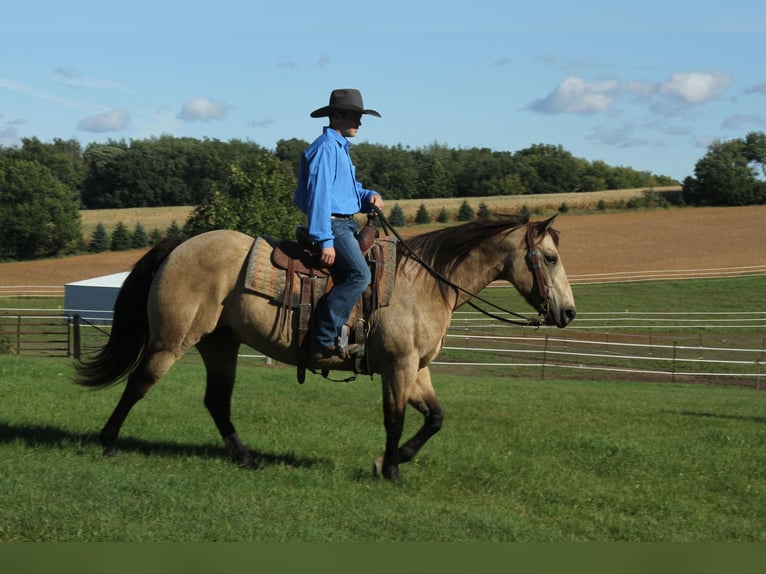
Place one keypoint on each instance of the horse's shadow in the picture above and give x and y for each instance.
(54, 437)
(754, 419)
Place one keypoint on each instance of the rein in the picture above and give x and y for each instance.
(532, 258)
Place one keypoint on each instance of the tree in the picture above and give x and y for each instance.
(396, 217)
(99, 240)
(727, 175)
(120, 237)
(422, 215)
(38, 213)
(174, 231)
(443, 216)
(483, 212)
(290, 151)
(259, 201)
(139, 238)
(465, 213)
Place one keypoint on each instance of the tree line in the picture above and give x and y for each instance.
(241, 185)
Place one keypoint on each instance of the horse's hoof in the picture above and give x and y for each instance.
(248, 462)
(377, 466)
(110, 452)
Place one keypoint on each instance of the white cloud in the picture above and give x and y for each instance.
(696, 87)
(111, 121)
(575, 95)
(203, 110)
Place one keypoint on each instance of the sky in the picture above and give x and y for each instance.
(647, 85)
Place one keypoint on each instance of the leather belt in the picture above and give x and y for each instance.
(342, 216)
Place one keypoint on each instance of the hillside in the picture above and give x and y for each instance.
(723, 240)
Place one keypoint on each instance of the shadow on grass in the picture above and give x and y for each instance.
(54, 437)
(753, 419)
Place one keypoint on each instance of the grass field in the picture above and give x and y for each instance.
(517, 460)
(161, 217)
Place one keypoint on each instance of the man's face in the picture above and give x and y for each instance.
(347, 123)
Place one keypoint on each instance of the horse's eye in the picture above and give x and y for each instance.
(551, 259)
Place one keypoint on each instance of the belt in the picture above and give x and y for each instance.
(342, 216)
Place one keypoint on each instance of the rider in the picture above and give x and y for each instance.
(329, 194)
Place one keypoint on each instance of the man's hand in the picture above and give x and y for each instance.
(327, 256)
(376, 200)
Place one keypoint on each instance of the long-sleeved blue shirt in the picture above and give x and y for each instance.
(327, 184)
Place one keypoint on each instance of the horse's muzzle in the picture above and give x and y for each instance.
(561, 317)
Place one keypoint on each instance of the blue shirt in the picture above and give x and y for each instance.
(327, 184)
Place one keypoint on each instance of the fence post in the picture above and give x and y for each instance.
(675, 351)
(76, 327)
(545, 356)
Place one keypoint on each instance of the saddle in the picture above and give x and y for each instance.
(296, 280)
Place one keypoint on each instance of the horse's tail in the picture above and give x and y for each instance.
(130, 325)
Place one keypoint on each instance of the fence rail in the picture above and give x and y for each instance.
(674, 347)
(31, 290)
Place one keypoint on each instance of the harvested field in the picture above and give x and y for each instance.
(728, 240)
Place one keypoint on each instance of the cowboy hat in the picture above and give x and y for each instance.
(346, 100)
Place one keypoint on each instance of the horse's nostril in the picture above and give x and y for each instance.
(570, 314)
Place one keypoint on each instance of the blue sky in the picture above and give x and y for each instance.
(642, 84)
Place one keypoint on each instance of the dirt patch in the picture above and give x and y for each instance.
(720, 240)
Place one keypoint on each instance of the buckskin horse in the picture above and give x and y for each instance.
(192, 294)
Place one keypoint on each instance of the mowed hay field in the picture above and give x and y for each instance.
(621, 242)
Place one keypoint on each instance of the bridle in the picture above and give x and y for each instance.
(532, 258)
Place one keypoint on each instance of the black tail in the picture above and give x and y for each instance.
(130, 325)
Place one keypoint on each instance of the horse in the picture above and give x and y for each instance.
(192, 293)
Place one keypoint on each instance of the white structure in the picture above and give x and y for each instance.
(93, 299)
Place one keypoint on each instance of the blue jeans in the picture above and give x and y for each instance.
(351, 276)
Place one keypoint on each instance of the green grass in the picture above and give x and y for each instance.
(517, 460)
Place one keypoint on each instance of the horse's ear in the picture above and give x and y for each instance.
(543, 226)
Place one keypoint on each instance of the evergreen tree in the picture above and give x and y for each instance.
(99, 240)
(484, 212)
(443, 216)
(174, 231)
(120, 237)
(422, 215)
(465, 213)
(396, 217)
(139, 239)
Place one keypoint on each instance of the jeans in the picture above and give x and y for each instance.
(351, 275)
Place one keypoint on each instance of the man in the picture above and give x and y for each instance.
(329, 194)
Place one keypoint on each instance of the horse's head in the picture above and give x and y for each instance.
(534, 267)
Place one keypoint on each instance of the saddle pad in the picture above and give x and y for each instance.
(261, 276)
(386, 280)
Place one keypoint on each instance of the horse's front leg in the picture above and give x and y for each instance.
(421, 395)
(396, 384)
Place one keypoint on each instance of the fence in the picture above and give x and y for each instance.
(722, 348)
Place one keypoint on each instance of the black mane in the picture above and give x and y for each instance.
(446, 248)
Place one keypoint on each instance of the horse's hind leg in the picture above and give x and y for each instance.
(152, 368)
(423, 398)
(220, 356)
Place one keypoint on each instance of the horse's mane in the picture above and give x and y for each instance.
(446, 248)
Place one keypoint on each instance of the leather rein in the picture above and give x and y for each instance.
(533, 260)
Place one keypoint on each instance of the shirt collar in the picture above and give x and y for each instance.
(332, 133)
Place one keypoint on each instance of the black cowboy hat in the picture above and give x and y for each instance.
(346, 100)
